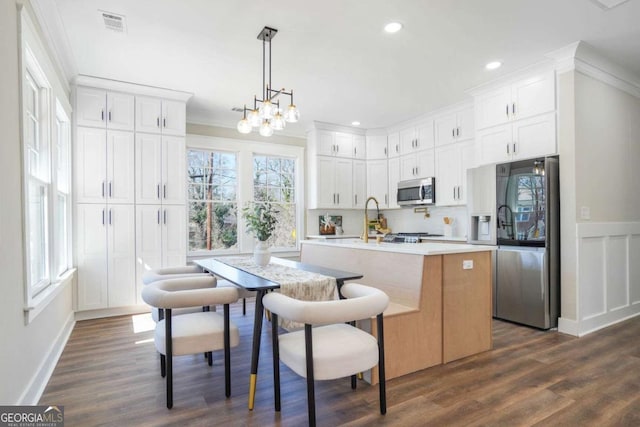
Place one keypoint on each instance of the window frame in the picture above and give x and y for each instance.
(245, 150)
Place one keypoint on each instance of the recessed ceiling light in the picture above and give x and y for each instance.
(393, 27)
(493, 65)
(355, 123)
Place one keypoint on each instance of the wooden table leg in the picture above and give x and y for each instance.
(255, 351)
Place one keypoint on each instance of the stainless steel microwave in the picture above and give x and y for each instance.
(414, 192)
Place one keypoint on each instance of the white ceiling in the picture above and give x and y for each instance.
(333, 53)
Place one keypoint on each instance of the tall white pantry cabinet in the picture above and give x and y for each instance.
(124, 227)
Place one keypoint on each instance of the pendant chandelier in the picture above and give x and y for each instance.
(267, 115)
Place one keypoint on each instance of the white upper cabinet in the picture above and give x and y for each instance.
(416, 138)
(393, 143)
(104, 169)
(419, 165)
(359, 183)
(155, 115)
(454, 127)
(376, 147)
(359, 147)
(378, 181)
(324, 142)
(523, 139)
(160, 169)
(101, 108)
(334, 184)
(525, 98)
(343, 146)
(452, 162)
(394, 178)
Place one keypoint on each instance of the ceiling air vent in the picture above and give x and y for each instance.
(609, 4)
(114, 22)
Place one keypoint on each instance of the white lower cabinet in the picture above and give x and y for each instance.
(378, 181)
(106, 256)
(521, 139)
(161, 239)
(452, 162)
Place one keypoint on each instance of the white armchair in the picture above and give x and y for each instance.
(191, 333)
(332, 351)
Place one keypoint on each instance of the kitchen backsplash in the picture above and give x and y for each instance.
(399, 220)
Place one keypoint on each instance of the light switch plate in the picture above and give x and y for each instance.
(585, 212)
(467, 264)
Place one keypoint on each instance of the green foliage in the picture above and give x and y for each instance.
(260, 219)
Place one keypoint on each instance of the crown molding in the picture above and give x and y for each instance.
(134, 88)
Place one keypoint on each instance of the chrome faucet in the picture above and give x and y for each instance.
(365, 233)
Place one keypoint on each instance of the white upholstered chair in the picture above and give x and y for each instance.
(191, 333)
(334, 350)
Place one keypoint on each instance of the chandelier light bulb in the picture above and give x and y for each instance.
(265, 128)
(254, 118)
(244, 126)
(278, 122)
(267, 110)
(292, 115)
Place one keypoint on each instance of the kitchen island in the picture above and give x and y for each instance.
(440, 297)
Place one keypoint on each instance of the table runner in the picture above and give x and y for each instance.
(295, 283)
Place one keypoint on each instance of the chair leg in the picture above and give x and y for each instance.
(209, 355)
(353, 381)
(244, 306)
(381, 372)
(169, 358)
(227, 353)
(311, 398)
(163, 366)
(276, 360)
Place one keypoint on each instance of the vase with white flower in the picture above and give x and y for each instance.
(261, 221)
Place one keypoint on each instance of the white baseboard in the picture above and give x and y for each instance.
(110, 312)
(39, 381)
(568, 326)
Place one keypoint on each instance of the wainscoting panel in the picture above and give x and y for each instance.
(608, 276)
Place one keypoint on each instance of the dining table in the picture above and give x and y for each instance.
(254, 281)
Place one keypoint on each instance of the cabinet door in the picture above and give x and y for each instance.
(326, 182)
(173, 170)
(174, 118)
(394, 177)
(120, 111)
(359, 147)
(120, 167)
(325, 142)
(148, 114)
(344, 183)
(174, 236)
(425, 138)
(467, 161)
(393, 144)
(359, 183)
(378, 181)
(533, 96)
(447, 174)
(344, 145)
(376, 147)
(494, 144)
(122, 256)
(91, 246)
(90, 107)
(445, 129)
(91, 165)
(148, 168)
(535, 136)
(465, 127)
(148, 241)
(408, 167)
(493, 108)
(425, 164)
(407, 140)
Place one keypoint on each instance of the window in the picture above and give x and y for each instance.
(47, 188)
(274, 181)
(212, 199)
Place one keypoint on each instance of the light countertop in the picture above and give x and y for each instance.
(373, 236)
(407, 248)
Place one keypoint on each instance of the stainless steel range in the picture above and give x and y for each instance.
(407, 237)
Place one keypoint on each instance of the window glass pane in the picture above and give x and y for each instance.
(212, 200)
(38, 241)
(62, 236)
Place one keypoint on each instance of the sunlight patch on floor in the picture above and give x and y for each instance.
(142, 323)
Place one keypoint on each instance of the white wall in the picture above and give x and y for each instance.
(27, 351)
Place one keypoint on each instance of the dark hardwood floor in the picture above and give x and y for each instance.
(109, 375)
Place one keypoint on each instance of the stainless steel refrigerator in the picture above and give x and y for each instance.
(524, 223)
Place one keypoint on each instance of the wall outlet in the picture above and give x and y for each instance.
(585, 212)
(467, 264)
